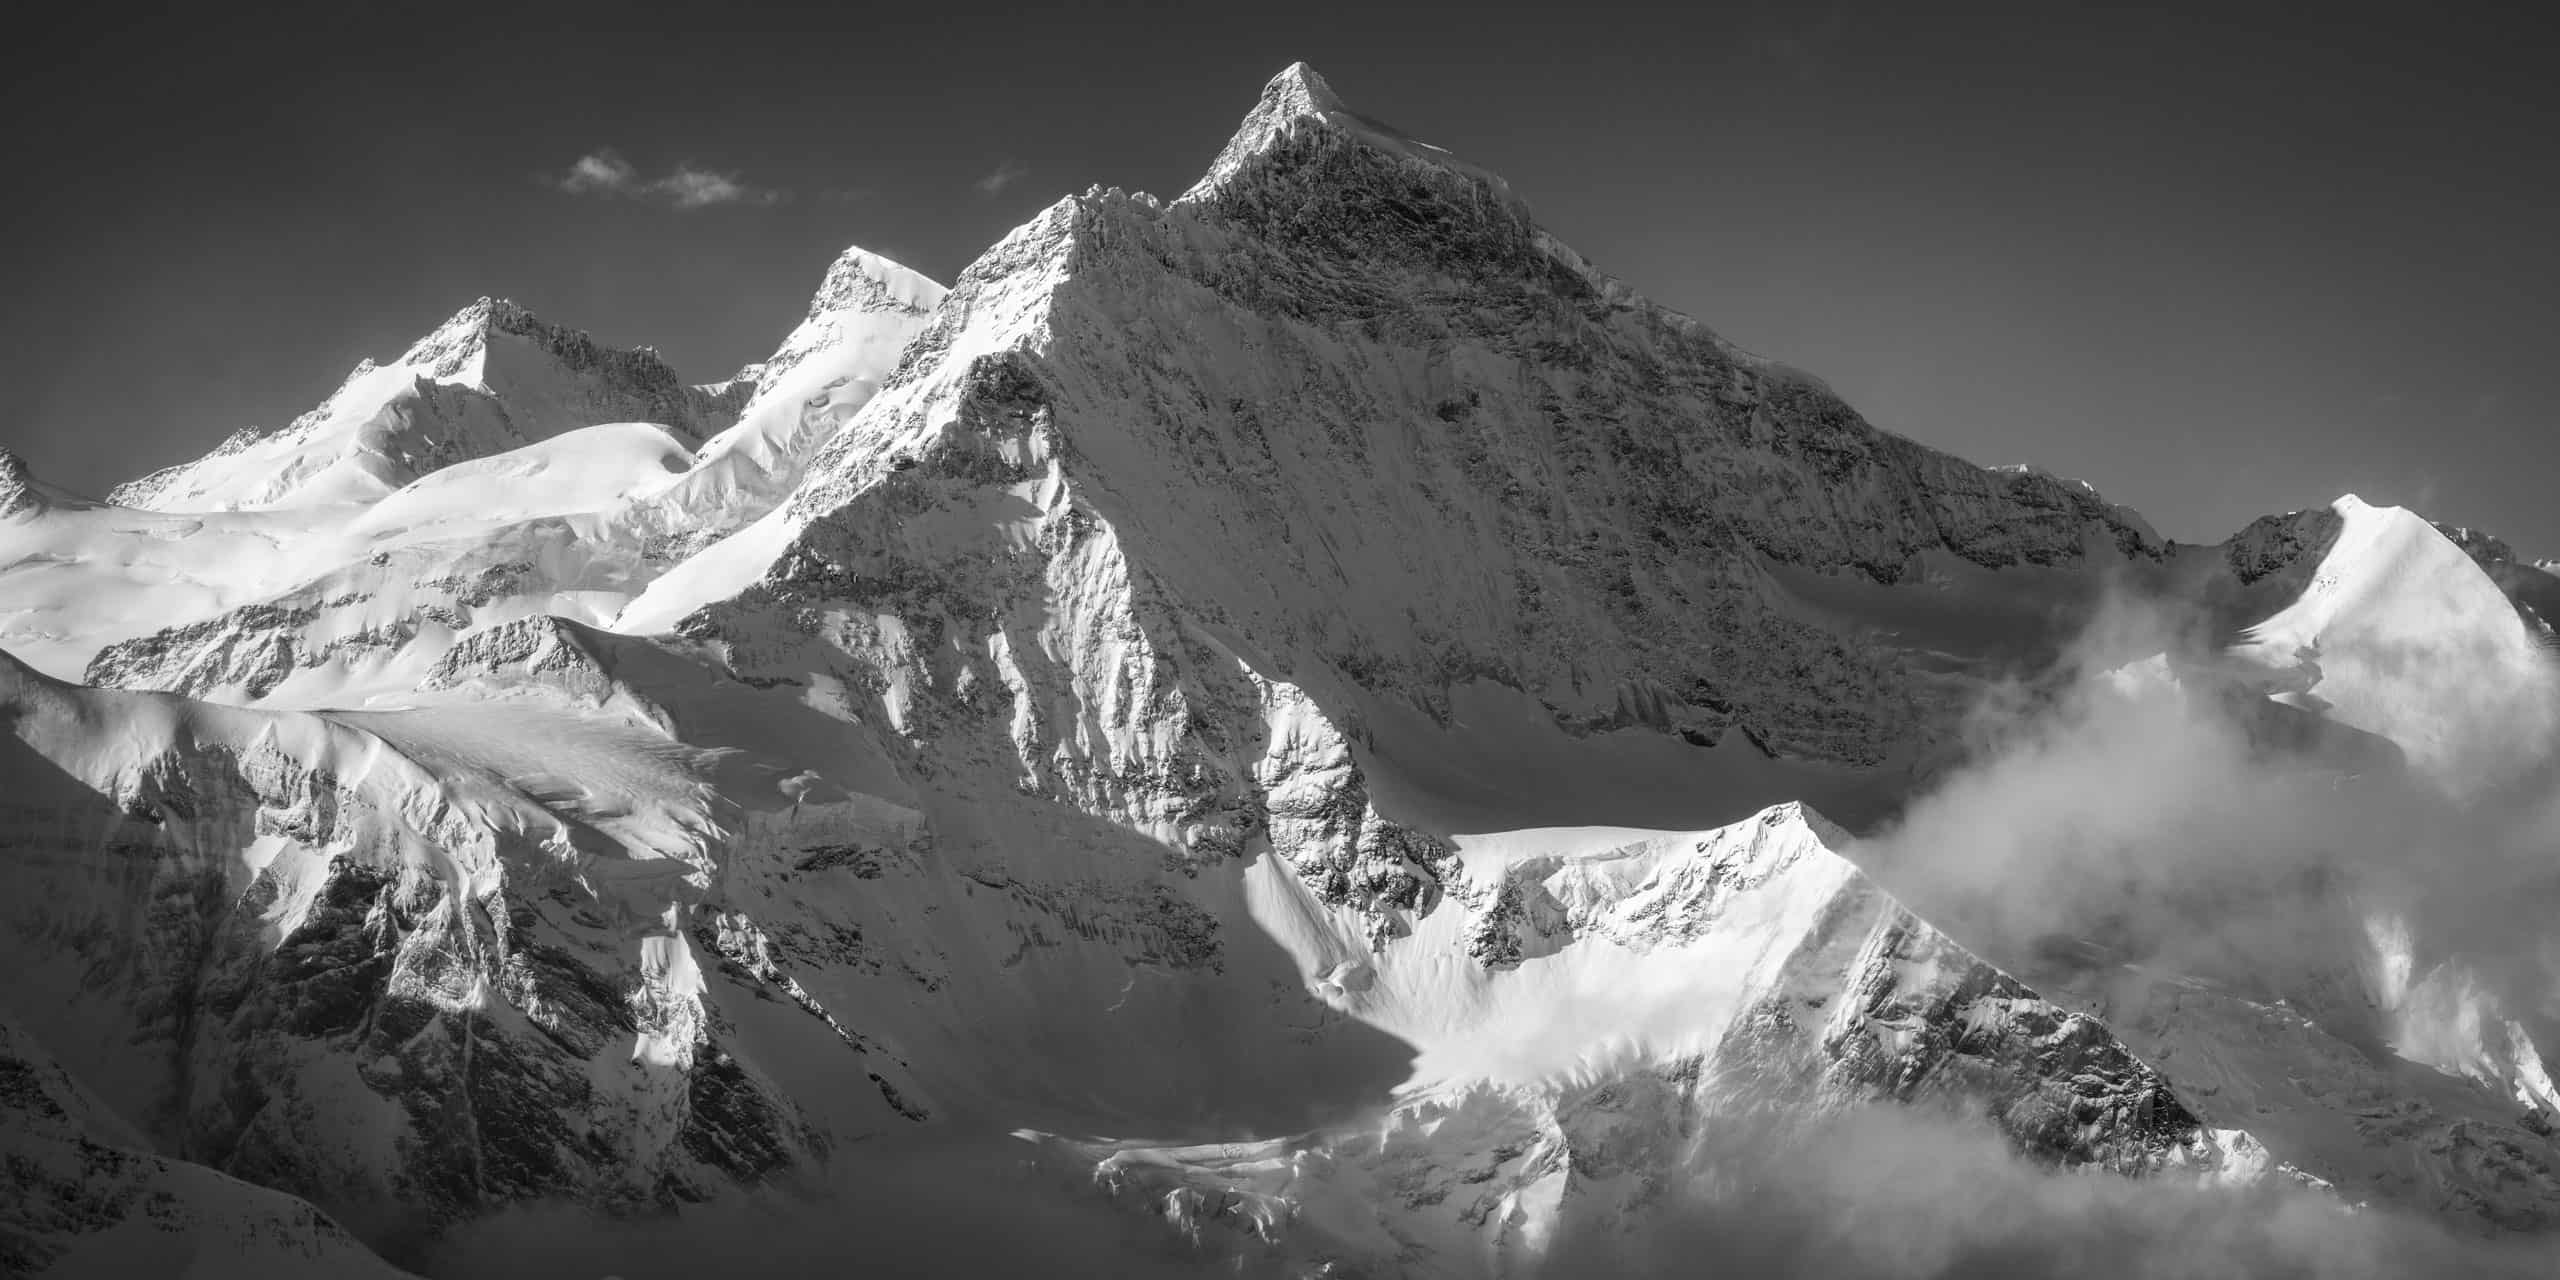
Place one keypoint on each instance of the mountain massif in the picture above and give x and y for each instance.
(1305, 711)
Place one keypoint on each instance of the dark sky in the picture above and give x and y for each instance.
(2217, 265)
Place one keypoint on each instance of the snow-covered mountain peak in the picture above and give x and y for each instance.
(860, 323)
(471, 349)
(863, 295)
(1298, 98)
(447, 350)
(1299, 84)
(862, 280)
(1295, 94)
(2414, 642)
(491, 378)
(457, 350)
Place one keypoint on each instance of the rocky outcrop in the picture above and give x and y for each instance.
(2530, 584)
(2271, 545)
(17, 488)
(2055, 1080)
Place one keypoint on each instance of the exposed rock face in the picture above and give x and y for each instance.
(411, 996)
(2273, 544)
(2531, 584)
(17, 493)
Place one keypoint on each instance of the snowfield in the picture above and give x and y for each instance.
(1300, 728)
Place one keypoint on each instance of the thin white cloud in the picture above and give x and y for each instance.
(604, 172)
(1006, 175)
(691, 188)
(600, 171)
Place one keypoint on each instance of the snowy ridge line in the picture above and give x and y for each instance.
(315, 602)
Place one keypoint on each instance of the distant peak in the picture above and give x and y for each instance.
(1296, 94)
(1297, 97)
(452, 344)
(484, 313)
(862, 280)
(1799, 814)
(1298, 90)
(17, 489)
(454, 351)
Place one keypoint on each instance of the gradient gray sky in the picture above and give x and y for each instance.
(2216, 264)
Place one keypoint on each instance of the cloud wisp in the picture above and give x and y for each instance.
(605, 172)
(2163, 810)
(1005, 175)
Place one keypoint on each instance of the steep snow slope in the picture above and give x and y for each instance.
(369, 604)
(236, 605)
(2409, 639)
(864, 314)
(86, 1196)
(76, 573)
(582, 470)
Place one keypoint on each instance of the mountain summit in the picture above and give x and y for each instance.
(492, 378)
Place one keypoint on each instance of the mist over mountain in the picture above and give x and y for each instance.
(1297, 729)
